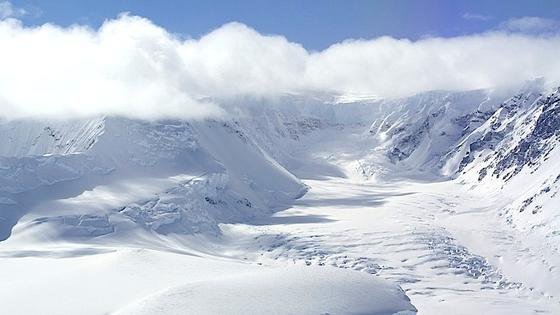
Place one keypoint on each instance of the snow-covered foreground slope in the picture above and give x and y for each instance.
(288, 290)
(452, 196)
(136, 281)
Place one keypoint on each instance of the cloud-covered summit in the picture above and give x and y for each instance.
(131, 67)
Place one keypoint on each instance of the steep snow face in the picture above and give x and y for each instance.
(112, 176)
(503, 127)
(280, 126)
(416, 132)
(26, 137)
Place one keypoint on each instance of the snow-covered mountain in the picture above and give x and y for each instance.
(187, 177)
(189, 186)
(517, 152)
(106, 175)
(486, 140)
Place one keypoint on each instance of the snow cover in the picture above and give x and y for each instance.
(303, 204)
(127, 281)
(141, 171)
(292, 290)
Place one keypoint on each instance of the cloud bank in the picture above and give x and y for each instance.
(131, 67)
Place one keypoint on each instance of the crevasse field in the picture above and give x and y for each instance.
(439, 203)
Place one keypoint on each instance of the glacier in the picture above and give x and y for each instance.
(442, 202)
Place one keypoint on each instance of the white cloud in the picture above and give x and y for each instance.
(531, 24)
(476, 16)
(7, 10)
(134, 68)
(128, 67)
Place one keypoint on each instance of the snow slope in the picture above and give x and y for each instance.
(137, 281)
(105, 176)
(291, 290)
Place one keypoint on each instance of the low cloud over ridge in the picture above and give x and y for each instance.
(131, 67)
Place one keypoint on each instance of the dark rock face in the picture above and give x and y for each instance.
(488, 141)
(498, 133)
(520, 132)
(538, 143)
(406, 146)
(471, 121)
(409, 143)
(548, 123)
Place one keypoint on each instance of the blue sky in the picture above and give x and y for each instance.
(314, 24)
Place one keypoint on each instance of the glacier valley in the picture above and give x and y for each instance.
(439, 203)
